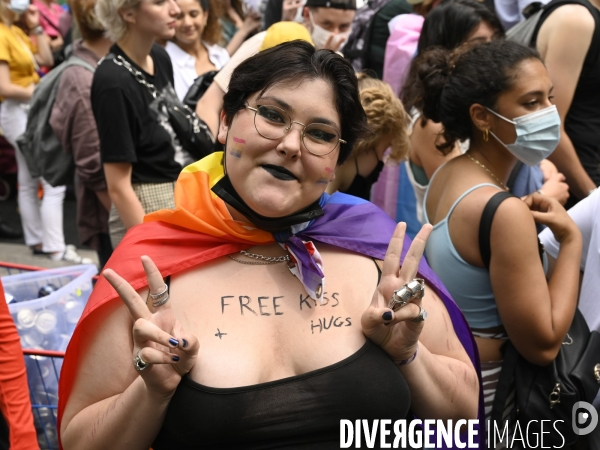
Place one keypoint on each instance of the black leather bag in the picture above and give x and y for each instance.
(550, 392)
(198, 88)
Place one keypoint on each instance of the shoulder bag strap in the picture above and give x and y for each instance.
(510, 355)
(485, 225)
(509, 364)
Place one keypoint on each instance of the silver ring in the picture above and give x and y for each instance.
(422, 315)
(414, 289)
(161, 302)
(160, 294)
(400, 298)
(139, 363)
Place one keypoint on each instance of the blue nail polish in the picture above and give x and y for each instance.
(185, 343)
(175, 358)
(387, 316)
(174, 342)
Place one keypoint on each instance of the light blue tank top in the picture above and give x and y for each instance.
(470, 286)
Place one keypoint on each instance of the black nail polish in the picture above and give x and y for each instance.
(174, 342)
(175, 358)
(387, 316)
(185, 343)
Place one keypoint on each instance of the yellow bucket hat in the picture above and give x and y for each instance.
(281, 32)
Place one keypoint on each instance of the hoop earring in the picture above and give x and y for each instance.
(486, 135)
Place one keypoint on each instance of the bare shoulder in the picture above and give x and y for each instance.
(574, 21)
(514, 218)
(571, 15)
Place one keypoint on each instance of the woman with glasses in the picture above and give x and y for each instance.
(259, 315)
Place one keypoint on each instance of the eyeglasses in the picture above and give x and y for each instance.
(272, 122)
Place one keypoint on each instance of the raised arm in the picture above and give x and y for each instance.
(536, 314)
(110, 398)
(443, 382)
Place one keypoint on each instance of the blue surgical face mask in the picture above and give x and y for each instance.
(538, 135)
(18, 6)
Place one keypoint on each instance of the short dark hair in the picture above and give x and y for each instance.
(453, 81)
(449, 24)
(296, 61)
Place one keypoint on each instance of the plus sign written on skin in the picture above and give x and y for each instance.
(219, 334)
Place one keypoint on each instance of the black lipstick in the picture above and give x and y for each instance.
(279, 172)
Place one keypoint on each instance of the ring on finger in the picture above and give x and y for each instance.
(160, 294)
(414, 289)
(161, 302)
(159, 299)
(139, 363)
(421, 316)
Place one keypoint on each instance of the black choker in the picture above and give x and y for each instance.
(224, 189)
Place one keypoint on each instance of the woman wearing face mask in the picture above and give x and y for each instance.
(140, 154)
(194, 50)
(498, 95)
(387, 123)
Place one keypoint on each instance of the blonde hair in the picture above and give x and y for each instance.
(84, 13)
(108, 12)
(385, 117)
(4, 11)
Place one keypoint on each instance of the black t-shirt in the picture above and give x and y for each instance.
(130, 125)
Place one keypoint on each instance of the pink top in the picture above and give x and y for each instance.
(49, 17)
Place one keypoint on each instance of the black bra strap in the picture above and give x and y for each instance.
(378, 270)
(485, 225)
(168, 282)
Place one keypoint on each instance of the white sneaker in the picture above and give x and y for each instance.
(71, 255)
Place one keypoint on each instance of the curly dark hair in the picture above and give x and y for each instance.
(453, 81)
(448, 26)
(297, 61)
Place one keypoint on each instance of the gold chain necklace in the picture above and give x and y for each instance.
(261, 259)
(488, 171)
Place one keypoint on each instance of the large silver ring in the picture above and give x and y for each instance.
(160, 294)
(139, 363)
(161, 302)
(422, 315)
(414, 289)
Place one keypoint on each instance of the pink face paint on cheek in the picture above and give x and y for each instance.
(236, 151)
(328, 170)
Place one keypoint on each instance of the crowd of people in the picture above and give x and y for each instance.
(436, 159)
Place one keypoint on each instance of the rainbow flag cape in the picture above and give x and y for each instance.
(201, 229)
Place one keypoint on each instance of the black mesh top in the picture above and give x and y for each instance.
(302, 411)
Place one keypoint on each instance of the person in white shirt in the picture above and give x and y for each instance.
(586, 215)
(194, 49)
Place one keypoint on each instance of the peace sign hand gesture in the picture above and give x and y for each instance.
(397, 332)
(162, 351)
